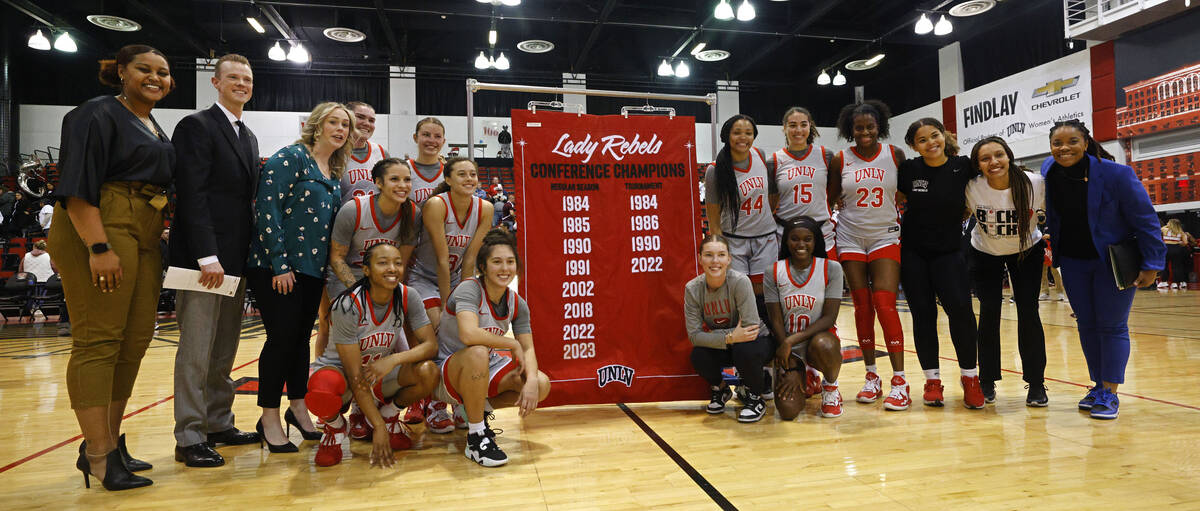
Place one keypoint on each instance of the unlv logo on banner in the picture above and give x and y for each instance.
(609, 233)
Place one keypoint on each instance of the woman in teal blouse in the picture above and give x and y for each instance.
(297, 200)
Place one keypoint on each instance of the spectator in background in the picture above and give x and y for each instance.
(498, 208)
(37, 262)
(46, 214)
(481, 193)
(508, 216)
(497, 189)
(7, 197)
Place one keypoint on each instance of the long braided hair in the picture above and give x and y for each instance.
(726, 181)
(1093, 147)
(1019, 186)
(344, 302)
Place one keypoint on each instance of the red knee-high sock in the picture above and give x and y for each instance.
(864, 319)
(889, 319)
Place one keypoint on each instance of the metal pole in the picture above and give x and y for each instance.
(471, 117)
(473, 85)
(712, 124)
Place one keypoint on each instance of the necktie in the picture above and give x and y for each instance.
(244, 142)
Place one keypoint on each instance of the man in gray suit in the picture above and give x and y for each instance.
(216, 175)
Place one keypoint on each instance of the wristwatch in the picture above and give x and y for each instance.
(100, 248)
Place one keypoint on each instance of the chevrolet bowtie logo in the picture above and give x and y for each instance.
(1055, 87)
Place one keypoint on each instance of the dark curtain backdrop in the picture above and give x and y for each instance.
(1028, 39)
(294, 91)
(57, 78)
(449, 97)
(1157, 49)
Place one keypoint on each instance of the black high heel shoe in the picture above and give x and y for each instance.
(290, 419)
(262, 439)
(116, 475)
(133, 464)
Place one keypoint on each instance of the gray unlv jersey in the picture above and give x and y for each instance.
(458, 237)
(471, 295)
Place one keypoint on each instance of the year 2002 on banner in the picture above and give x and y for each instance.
(609, 232)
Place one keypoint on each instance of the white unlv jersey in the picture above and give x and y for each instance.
(801, 184)
(801, 300)
(357, 180)
(869, 194)
(458, 237)
(422, 186)
(754, 209)
(368, 231)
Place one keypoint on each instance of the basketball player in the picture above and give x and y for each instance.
(803, 293)
(371, 361)
(801, 173)
(357, 180)
(868, 240)
(384, 216)
(480, 311)
(741, 192)
(455, 221)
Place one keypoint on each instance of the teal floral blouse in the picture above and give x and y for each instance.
(294, 211)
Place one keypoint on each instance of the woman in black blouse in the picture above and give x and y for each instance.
(115, 166)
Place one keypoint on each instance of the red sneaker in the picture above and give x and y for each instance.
(972, 393)
(831, 401)
(437, 417)
(416, 412)
(329, 453)
(898, 397)
(812, 382)
(933, 393)
(360, 429)
(398, 433)
(871, 389)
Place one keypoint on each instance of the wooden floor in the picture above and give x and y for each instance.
(673, 455)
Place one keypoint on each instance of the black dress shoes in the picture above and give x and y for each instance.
(198, 455)
(232, 436)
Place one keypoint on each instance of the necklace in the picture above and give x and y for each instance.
(145, 120)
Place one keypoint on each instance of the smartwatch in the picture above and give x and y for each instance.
(100, 248)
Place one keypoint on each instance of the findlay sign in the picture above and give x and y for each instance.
(1027, 104)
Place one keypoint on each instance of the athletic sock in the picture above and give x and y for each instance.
(889, 319)
(827, 382)
(336, 423)
(475, 428)
(972, 372)
(388, 410)
(873, 369)
(898, 373)
(933, 374)
(864, 318)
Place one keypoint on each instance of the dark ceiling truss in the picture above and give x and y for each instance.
(587, 46)
(821, 9)
(150, 12)
(394, 52)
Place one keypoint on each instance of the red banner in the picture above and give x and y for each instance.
(608, 235)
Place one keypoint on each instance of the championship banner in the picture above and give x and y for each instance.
(608, 237)
(1027, 104)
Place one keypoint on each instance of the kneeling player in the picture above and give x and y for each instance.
(478, 313)
(803, 292)
(379, 368)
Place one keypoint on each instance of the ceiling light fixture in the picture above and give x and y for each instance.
(114, 23)
(492, 36)
(943, 26)
(502, 62)
(681, 70)
(823, 78)
(276, 53)
(298, 54)
(698, 48)
(509, 3)
(664, 69)
(875, 60)
(481, 62)
(65, 43)
(924, 25)
(255, 25)
(839, 79)
(724, 11)
(745, 11)
(38, 41)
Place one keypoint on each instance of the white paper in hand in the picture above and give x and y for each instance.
(189, 280)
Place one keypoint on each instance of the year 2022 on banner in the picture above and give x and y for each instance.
(609, 228)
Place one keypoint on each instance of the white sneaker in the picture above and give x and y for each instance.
(1162, 285)
(1174, 285)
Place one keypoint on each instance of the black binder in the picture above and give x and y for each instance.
(1126, 260)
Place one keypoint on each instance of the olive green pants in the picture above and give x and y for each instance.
(110, 330)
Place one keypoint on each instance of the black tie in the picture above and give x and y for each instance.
(244, 141)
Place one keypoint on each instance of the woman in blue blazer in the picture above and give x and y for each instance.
(1091, 203)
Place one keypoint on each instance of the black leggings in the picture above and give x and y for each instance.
(1025, 274)
(1178, 259)
(925, 275)
(288, 320)
(747, 357)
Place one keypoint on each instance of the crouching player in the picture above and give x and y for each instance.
(370, 360)
(478, 313)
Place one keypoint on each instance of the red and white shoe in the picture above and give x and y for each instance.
(437, 417)
(329, 453)
(933, 393)
(812, 382)
(416, 412)
(831, 401)
(360, 429)
(398, 433)
(898, 397)
(460, 417)
(972, 392)
(871, 389)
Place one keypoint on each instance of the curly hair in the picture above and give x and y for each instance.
(871, 107)
(951, 148)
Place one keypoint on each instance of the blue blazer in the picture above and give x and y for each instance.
(1118, 208)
